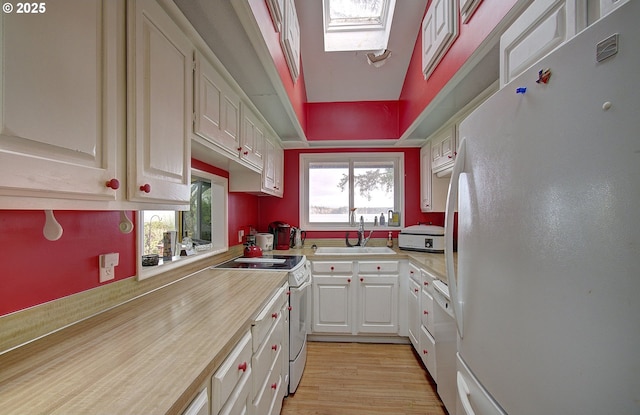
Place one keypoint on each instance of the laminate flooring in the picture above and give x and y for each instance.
(363, 378)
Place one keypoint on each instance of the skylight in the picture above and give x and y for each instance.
(352, 25)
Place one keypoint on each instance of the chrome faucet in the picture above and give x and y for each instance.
(362, 240)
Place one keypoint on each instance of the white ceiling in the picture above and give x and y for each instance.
(333, 76)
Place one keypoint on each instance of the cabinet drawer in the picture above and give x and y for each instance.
(426, 314)
(263, 360)
(427, 352)
(199, 405)
(267, 395)
(333, 266)
(427, 281)
(377, 266)
(414, 273)
(239, 401)
(231, 372)
(267, 317)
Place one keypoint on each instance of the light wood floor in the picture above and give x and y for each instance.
(362, 378)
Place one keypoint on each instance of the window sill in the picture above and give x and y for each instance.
(177, 262)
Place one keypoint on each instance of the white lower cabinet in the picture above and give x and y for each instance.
(229, 382)
(199, 405)
(268, 345)
(413, 304)
(427, 351)
(355, 297)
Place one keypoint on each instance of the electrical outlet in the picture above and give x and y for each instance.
(107, 263)
(240, 235)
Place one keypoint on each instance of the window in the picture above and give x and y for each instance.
(351, 25)
(334, 184)
(200, 231)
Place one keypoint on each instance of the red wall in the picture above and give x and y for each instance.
(287, 208)
(352, 120)
(296, 91)
(35, 270)
(417, 92)
(356, 121)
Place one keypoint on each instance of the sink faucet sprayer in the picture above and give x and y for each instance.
(362, 241)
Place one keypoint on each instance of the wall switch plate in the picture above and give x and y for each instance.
(240, 235)
(107, 263)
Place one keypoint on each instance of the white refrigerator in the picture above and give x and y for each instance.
(547, 188)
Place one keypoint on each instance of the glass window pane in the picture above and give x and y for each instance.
(356, 10)
(196, 223)
(373, 188)
(328, 192)
(156, 222)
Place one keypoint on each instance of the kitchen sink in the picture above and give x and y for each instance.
(355, 250)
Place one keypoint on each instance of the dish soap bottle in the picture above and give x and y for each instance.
(389, 241)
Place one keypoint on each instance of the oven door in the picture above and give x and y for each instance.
(298, 318)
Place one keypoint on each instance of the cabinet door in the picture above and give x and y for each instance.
(332, 304)
(272, 175)
(543, 26)
(160, 114)
(425, 178)
(427, 352)
(199, 405)
(413, 316)
(606, 6)
(217, 108)
(378, 304)
(426, 312)
(443, 149)
(439, 30)
(62, 94)
(252, 139)
(467, 7)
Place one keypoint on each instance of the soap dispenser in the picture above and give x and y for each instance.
(390, 241)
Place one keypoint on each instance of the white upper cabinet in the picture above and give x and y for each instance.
(467, 7)
(272, 175)
(542, 27)
(607, 6)
(217, 108)
(251, 139)
(290, 38)
(443, 148)
(439, 31)
(61, 106)
(425, 178)
(160, 111)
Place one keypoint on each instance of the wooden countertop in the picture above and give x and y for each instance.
(147, 356)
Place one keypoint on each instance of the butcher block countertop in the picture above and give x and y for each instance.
(150, 355)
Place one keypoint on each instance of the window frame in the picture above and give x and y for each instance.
(358, 34)
(307, 158)
(220, 228)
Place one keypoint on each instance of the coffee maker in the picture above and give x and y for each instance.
(281, 234)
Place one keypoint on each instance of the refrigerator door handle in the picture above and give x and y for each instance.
(463, 394)
(452, 201)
